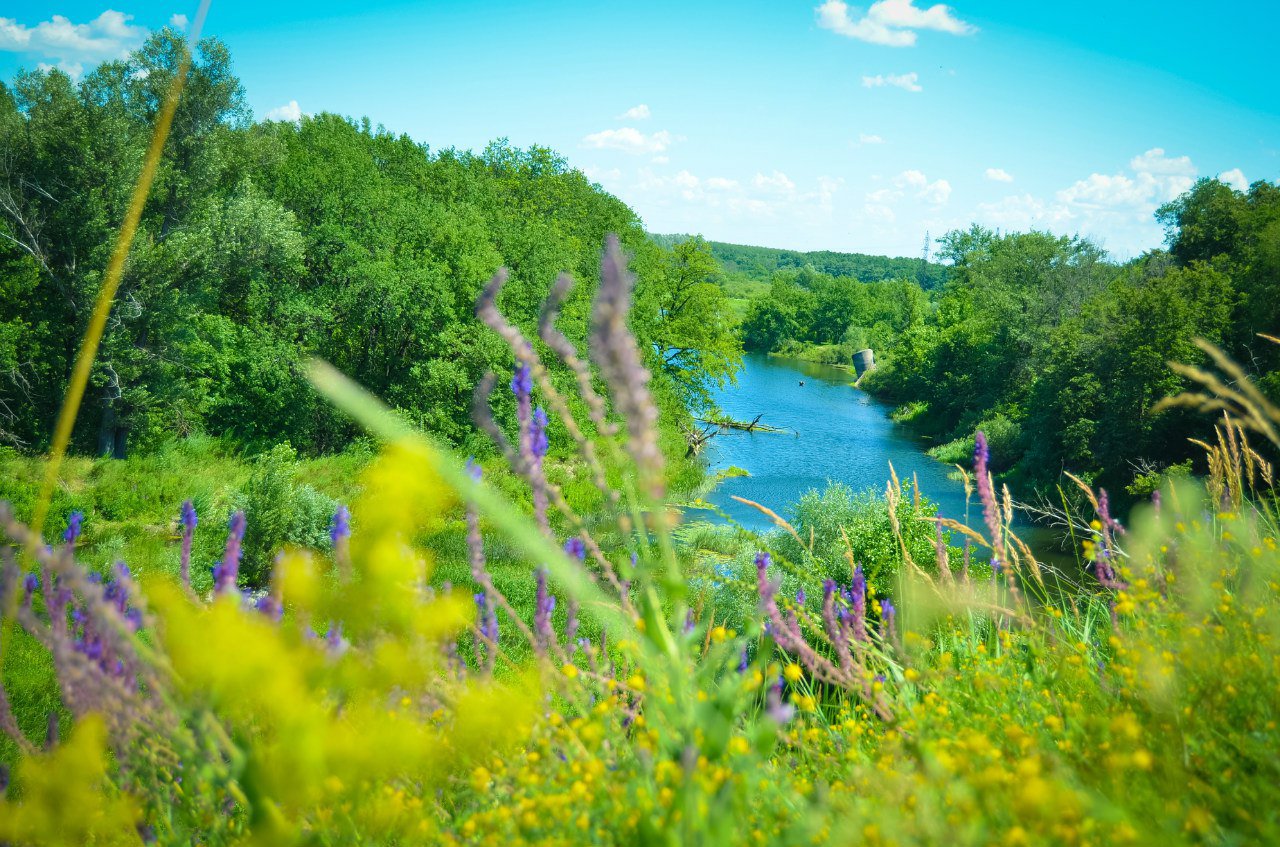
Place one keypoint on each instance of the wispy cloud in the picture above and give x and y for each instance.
(870, 139)
(999, 175)
(909, 82)
(70, 46)
(892, 23)
(635, 113)
(629, 140)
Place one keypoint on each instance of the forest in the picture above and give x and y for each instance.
(1053, 349)
(268, 243)
(380, 519)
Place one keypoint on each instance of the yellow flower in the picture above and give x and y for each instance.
(570, 670)
(793, 673)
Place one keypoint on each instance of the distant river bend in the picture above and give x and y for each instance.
(835, 433)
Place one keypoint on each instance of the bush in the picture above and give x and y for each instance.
(864, 518)
(1004, 438)
(279, 512)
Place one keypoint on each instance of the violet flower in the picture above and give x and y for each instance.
(74, 520)
(340, 526)
(538, 433)
(858, 604)
(188, 521)
(227, 571)
(990, 510)
(30, 585)
(543, 608)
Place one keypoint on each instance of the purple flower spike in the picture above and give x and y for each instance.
(887, 615)
(522, 381)
(187, 519)
(473, 470)
(801, 597)
(781, 713)
(74, 520)
(226, 572)
(858, 603)
(538, 433)
(340, 527)
(543, 607)
(30, 585)
(987, 494)
(575, 548)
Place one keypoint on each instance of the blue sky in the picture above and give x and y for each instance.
(808, 125)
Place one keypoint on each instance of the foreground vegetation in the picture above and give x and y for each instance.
(360, 699)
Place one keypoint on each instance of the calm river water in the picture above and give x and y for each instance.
(835, 433)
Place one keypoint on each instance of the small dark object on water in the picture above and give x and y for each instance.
(802, 382)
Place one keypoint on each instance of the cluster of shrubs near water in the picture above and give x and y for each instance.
(629, 687)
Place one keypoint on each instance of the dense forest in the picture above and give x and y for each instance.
(1053, 349)
(761, 263)
(267, 243)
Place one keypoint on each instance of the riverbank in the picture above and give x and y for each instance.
(839, 434)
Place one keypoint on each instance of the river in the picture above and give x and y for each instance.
(835, 433)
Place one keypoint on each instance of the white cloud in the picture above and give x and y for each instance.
(937, 192)
(597, 175)
(1235, 179)
(71, 69)
(635, 113)
(999, 175)
(288, 112)
(179, 22)
(892, 23)
(719, 183)
(879, 214)
(1024, 212)
(661, 160)
(71, 45)
(910, 81)
(629, 140)
(911, 179)
(778, 183)
(1155, 162)
(870, 139)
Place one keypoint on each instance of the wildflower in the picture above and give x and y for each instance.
(74, 520)
(793, 673)
(990, 511)
(226, 571)
(538, 433)
(858, 604)
(779, 712)
(544, 605)
(522, 381)
(30, 585)
(575, 548)
(340, 526)
(188, 521)
(887, 614)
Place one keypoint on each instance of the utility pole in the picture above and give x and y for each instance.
(923, 276)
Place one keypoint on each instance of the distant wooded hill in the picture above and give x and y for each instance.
(760, 263)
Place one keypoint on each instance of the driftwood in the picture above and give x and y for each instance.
(753, 425)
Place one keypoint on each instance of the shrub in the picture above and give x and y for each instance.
(279, 512)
